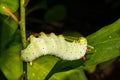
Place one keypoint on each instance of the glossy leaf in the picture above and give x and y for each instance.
(41, 67)
(11, 5)
(105, 51)
(106, 33)
(106, 47)
(106, 42)
(11, 65)
(8, 27)
(75, 74)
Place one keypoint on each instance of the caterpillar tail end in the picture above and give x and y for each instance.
(22, 58)
(31, 37)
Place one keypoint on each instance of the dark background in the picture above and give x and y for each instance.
(84, 16)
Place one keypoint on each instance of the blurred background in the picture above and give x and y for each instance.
(83, 16)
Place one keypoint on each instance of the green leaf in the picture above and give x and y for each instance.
(8, 28)
(90, 69)
(57, 13)
(11, 65)
(11, 5)
(41, 67)
(62, 65)
(105, 51)
(75, 74)
(106, 42)
(106, 48)
(106, 33)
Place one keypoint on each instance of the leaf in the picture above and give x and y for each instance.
(41, 67)
(57, 13)
(64, 66)
(105, 51)
(90, 69)
(11, 5)
(11, 63)
(75, 74)
(106, 42)
(106, 33)
(106, 48)
(8, 28)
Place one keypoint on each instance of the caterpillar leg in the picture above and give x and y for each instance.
(89, 48)
(31, 63)
(84, 58)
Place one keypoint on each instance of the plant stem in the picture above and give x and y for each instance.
(23, 33)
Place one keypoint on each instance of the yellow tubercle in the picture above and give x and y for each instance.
(42, 33)
(82, 40)
(60, 36)
(52, 33)
(31, 37)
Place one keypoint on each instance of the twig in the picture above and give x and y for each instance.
(11, 14)
(23, 33)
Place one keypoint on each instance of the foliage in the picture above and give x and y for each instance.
(106, 43)
(12, 5)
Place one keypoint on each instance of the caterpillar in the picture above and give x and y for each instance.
(54, 45)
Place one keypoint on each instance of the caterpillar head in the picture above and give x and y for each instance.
(28, 53)
(83, 43)
(82, 40)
